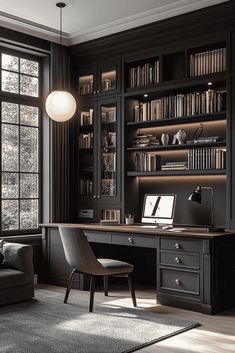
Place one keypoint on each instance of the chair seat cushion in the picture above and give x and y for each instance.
(12, 278)
(115, 266)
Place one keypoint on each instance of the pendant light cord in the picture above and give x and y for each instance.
(60, 25)
(61, 5)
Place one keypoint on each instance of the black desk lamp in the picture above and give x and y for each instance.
(196, 196)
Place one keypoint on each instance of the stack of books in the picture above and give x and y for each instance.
(206, 139)
(181, 165)
(143, 140)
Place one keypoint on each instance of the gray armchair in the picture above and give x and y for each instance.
(16, 273)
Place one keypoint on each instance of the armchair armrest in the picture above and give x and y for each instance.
(19, 256)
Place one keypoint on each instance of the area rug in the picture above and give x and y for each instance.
(46, 325)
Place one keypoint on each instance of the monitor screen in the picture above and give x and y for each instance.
(158, 209)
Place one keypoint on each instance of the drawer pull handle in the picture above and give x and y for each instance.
(130, 240)
(178, 260)
(178, 282)
(177, 246)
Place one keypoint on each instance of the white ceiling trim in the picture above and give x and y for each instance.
(33, 29)
(157, 14)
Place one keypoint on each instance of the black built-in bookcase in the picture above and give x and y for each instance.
(174, 43)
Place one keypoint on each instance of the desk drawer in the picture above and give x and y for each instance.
(144, 241)
(180, 259)
(180, 281)
(179, 244)
(98, 237)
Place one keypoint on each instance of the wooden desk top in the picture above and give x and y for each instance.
(138, 229)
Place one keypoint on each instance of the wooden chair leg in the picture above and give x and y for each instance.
(92, 293)
(132, 290)
(105, 279)
(69, 285)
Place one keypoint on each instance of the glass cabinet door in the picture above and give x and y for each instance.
(108, 150)
(86, 150)
(109, 79)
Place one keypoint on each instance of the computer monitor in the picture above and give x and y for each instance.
(158, 209)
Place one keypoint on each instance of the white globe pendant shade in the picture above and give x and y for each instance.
(60, 106)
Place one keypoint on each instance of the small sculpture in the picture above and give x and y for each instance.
(181, 136)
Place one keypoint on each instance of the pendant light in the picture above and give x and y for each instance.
(60, 104)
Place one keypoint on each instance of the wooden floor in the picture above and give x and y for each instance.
(215, 335)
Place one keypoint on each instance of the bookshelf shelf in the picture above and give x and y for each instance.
(178, 120)
(184, 83)
(177, 147)
(177, 173)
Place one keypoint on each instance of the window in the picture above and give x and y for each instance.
(20, 123)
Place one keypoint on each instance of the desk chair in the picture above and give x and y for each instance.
(82, 259)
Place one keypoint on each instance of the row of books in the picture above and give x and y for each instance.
(145, 75)
(206, 158)
(146, 162)
(86, 140)
(86, 117)
(111, 215)
(86, 187)
(195, 103)
(108, 115)
(197, 159)
(86, 88)
(207, 62)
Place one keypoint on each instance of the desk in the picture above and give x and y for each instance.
(195, 269)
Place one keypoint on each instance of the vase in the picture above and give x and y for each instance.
(181, 136)
(165, 139)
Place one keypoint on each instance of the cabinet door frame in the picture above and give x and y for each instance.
(101, 102)
(85, 104)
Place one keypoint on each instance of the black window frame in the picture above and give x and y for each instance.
(30, 101)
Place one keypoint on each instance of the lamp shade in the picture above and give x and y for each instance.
(196, 196)
(60, 106)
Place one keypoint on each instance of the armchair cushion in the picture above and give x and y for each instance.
(19, 257)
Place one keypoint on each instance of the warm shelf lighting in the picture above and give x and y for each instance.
(60, 105)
